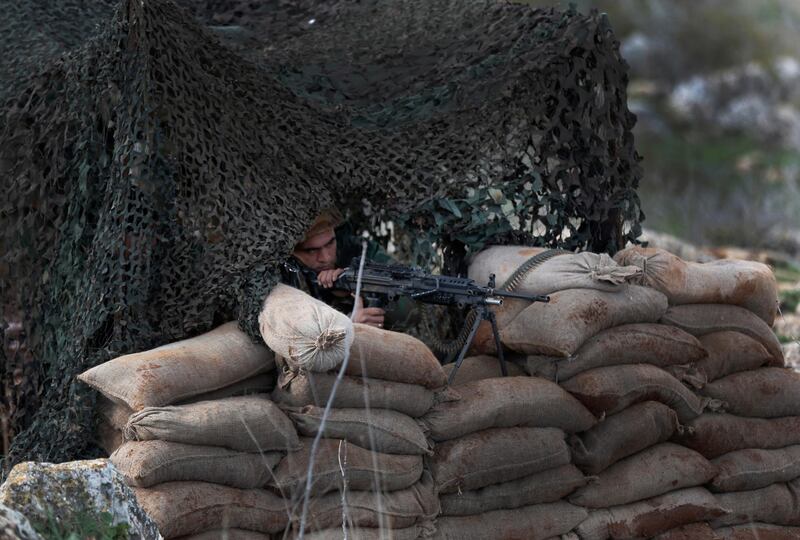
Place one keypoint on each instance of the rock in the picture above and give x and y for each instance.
(76, 488)
(749, 99)
(791, 352)
(15, 526)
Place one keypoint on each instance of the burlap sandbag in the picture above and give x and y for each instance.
(731, 352)
(476, 368)
(107, 437)
(757, 531)
(565, 271)
(652, 472)
(365, 509)
(246, 423)
(506, 402)
(702, 319)
(716, 434)
(692, 531)
(415, 532)
(363, 469)
(659, 345)
(182, 508)
(645, 519)
(536, 522)
(778, 504)
(572, 316)
(748, 284)
(258, 384)
(754, 468)
(558, 273)
(393, 356)
(180, 370)
(623, 434)
(299, 390)
(147, 463)
(538, 488)
(496, 455)
(380, 430)
(608, 390)
(760, 393)
(308, 333)
(117, 414)
(226, 534)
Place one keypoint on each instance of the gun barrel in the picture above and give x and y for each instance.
(523, 296)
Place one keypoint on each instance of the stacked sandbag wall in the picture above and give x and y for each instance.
(368, 470)
(501, 462)
(643, 358)
(196, 435)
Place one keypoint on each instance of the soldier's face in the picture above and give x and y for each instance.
(318, 252)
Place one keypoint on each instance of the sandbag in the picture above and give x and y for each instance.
(716, 434)
(299, 390)
(392, 356)
(365, 509)
(308, 333)
(147, 463)
(608, 390)
(572, 316)
(536, 522)
(692, 531)
(653, 471)
(380, 430)
(623, 434)
(476, 368)
(107, 437)
(702, 319)
(542, 487)
(754, 468)
(257, 384)
(778, 504)
(731, 352)
(117, 414)
(415, 532)
(758, 531)
(659, 345)
(180, 370)
(645, 519)
(563, 271)
(496, 455)
(506, 402)
(557, 273)
(227, 534)
(747, 284)
(245, 423)
(183, 508)
(363, 469)
(760, 393)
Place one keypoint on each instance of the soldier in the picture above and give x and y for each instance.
(326, 249)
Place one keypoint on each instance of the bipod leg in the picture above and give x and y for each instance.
(497, 343)
(467, 343)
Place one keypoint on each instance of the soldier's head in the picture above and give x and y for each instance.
(317, 250)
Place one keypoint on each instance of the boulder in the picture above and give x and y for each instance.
(76, 488)
(15, 526)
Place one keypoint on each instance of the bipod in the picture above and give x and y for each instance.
(483, 314)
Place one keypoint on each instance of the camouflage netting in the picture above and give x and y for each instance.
(159, 163)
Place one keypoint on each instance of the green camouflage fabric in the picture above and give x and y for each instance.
(159, 160)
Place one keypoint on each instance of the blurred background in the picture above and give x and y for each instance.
(716, 88)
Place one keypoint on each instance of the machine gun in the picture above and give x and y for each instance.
(384, 283)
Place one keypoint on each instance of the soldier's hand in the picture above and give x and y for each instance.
(372, 316)
(326, 278)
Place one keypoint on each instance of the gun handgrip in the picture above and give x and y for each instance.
(373, 301)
